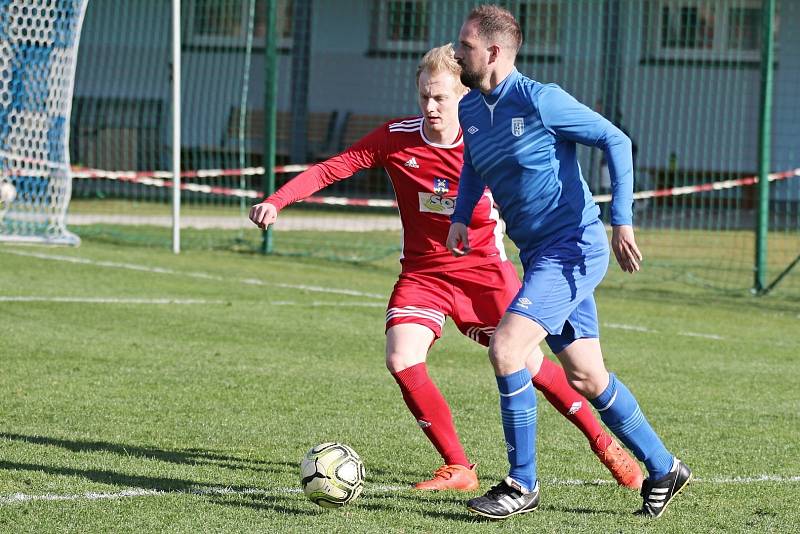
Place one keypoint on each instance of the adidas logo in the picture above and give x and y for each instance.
(509, 447)
(412, 163)
(471, 130)
(575, 407)
(422, 422)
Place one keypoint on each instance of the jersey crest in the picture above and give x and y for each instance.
(517, 126)
(441, 186)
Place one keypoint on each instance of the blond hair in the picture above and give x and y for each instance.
(441, 59)
(495, 22)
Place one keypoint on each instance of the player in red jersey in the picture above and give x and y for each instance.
(423, 158)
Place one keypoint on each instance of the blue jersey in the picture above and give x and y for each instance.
(521, 142)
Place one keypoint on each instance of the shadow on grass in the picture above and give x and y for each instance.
(220, 493)
(285, 504)
(396, 503)
(113, 477)
(193, 456)
(197, 456)
(449, 506)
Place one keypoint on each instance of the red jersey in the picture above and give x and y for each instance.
(425, 180)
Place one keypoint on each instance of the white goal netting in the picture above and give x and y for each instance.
(38, 50)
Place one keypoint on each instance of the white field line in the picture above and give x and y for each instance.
(705, 336)
(320, 304)
(189, 274)
(18, 498)
(632, 327)
(104, 300)
(646, 330)
(256, 281)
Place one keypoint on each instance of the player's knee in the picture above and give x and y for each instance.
(396, 361)
(588, 385)
(501, 352)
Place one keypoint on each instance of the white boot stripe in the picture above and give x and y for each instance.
(507, 502)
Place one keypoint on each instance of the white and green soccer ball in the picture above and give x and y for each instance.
(7, 194)
(332, 475)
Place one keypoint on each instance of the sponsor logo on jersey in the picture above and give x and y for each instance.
(517, 126)
(471, 130)
(441, 186)
(433, 203)
(423, 423)
(412, 163)
(524, 302)
(575, 407)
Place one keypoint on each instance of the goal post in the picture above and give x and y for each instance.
(38, 52)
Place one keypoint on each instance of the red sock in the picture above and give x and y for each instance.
(552, 382)
(430, 409)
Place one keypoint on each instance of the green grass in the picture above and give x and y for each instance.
(188, 399)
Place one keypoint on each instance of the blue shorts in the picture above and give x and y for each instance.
(558, 285)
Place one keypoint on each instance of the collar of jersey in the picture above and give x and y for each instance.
(501, 89)
(459, 139)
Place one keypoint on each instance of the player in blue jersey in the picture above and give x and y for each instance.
(520, 139)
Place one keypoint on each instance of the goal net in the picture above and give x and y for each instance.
(38, 48)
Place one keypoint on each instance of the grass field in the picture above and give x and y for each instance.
(677, 256)
(148, 392)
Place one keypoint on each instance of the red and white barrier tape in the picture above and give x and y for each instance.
(163, 179)
(86, 172)
(159, 179)
(702, 188)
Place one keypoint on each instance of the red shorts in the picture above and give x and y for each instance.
(475, 298)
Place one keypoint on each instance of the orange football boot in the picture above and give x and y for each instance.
(451, 477)
(623, 467)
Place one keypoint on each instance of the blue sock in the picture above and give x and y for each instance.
(621, 413)
(518, 412)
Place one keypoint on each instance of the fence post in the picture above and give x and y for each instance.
(301, 60)
(764, 144)
(270, 103)
(176, 126)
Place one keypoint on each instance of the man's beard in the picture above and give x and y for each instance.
(470, 79)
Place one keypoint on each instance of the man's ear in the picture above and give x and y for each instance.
(494, 53)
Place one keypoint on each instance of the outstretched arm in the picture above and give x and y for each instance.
(364, 154)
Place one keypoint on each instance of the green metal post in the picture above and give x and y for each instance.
(270, 103)
(764, 144)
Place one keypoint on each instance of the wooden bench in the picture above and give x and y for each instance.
(320, 132)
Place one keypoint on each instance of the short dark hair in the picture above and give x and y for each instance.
(494, 21)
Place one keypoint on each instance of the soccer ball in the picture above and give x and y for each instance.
(332, 475)
(7, 193)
